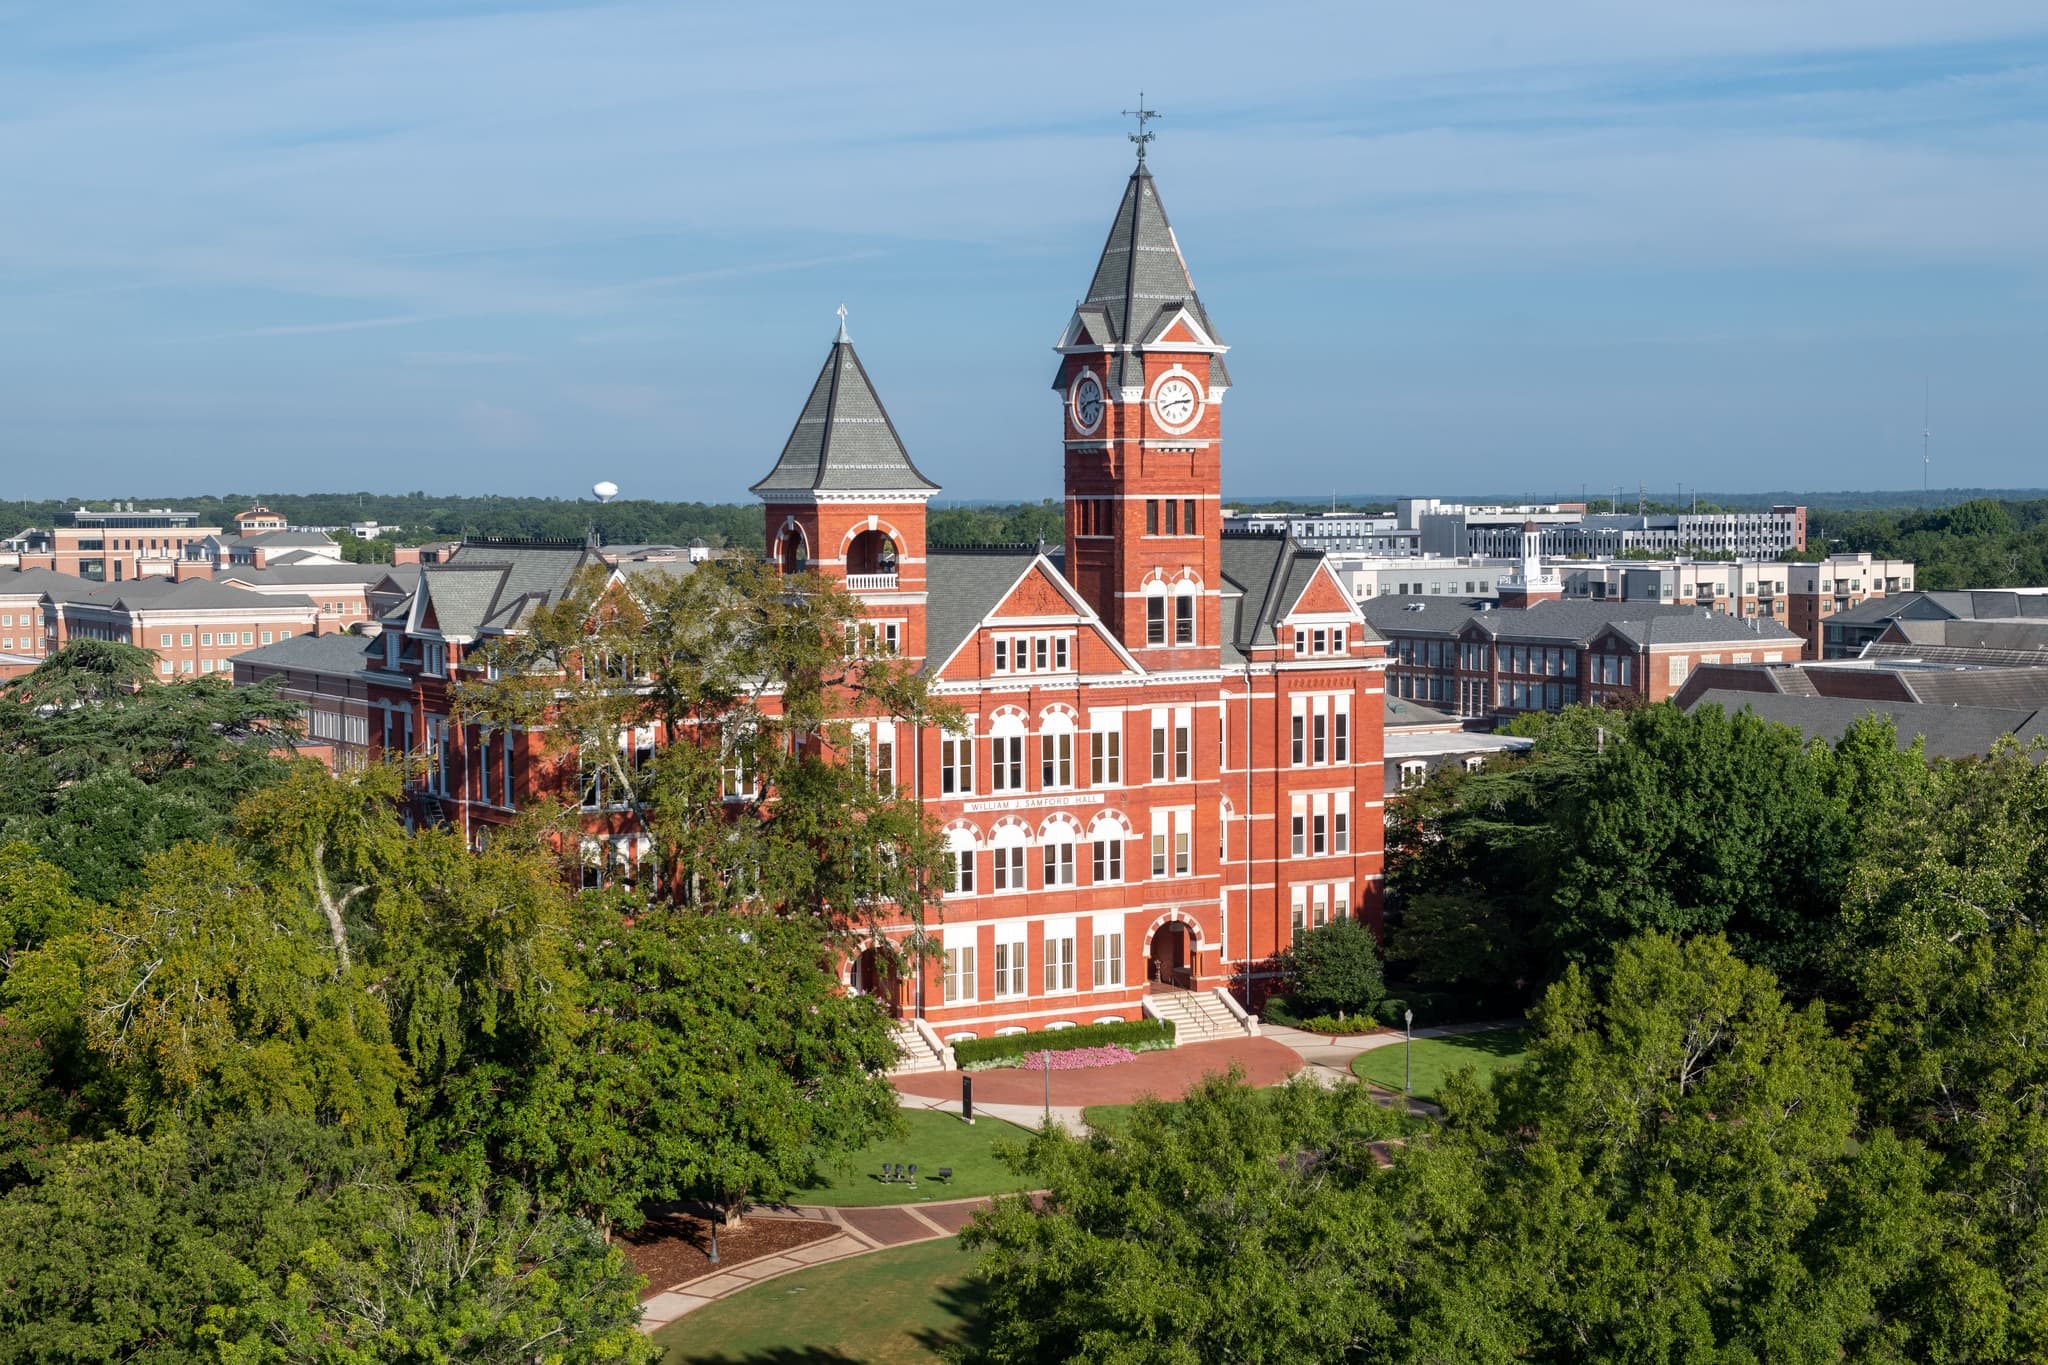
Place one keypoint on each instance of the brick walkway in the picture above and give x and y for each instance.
(1167, 1074)
(860, 1231)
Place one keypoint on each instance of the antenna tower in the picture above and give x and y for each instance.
(1926, 429)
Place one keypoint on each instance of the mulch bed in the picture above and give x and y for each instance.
(676, 1247)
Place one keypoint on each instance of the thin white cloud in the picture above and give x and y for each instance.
(296, 329)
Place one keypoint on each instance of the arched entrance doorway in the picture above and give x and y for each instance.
(872, 973)
(1170, 962)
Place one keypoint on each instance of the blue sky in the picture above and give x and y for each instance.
(508, 247)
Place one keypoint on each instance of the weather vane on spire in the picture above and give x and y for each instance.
(842, 323)
(1143, 116)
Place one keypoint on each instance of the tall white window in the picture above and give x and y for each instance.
(1183, 742)
(1009, 859)
(1056, 850)
(959, 973)
(1162, 741)
(1009, 961)
(1106, 843)
(1106, 757)
(1056, 752)
(1006, 755)
(1059, 955)
(1109, 958)
(960, 862)
(956, 764)
(1297, 911)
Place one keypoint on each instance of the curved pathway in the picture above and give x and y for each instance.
(860, 1230)
(1017, 1096)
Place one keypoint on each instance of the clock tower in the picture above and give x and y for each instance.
(1142, 381)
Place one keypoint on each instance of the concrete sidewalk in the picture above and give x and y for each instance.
(1329, 1059)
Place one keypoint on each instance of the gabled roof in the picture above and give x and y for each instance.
(1269, 574)
(1141, 278)
(1950, 731)
(843, 441)
(964, 586)
(497, 585)
(337, 655)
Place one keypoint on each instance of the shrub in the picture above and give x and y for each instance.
(1139, 1035)
(1334, 968)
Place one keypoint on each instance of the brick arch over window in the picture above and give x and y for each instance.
(792, 547)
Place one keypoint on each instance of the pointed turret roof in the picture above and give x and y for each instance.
(1142, 279)
(844, 441)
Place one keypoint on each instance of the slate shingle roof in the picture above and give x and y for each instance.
(338, 655)
(497, 585)
(1950, 731)
(1574, 621)
(1141, 280)
(964, 586)
(843, 441)
(1269, 574)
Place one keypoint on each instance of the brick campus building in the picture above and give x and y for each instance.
(1170, 758)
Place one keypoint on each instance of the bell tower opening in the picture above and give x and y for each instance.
(872, 553)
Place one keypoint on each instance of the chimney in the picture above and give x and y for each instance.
(184, 569)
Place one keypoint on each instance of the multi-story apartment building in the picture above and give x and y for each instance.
(1803, 597)
(1553, 654)
(1169, 760)
(345, 595)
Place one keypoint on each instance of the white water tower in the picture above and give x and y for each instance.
(605, 489)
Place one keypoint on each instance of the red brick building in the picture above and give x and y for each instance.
(1170, 759)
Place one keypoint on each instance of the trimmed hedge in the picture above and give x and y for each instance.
(1139, 1035)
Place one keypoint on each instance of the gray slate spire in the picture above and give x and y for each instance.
(844, 441)
(1141, 279)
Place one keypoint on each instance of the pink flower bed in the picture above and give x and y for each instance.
(1078, 1058)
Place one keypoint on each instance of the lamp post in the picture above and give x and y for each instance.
(1045, 1065)
(1408, 1055)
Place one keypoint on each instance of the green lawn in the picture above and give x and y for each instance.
(1436, 1059)
(913, 1304)
(1106, 1118)
(934, 1140)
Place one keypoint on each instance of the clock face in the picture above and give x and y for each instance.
(1175, 402)
(1087, 402)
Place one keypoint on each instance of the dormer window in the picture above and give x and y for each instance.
(433, 659)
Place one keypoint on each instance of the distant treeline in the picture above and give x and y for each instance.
(425, 517)
(1987, 543)
(1975, 543)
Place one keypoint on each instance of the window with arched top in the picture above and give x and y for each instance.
(1006, 752)
(1106, 838)
(1155, 612)
(1057, 840)
(1187, 597)
(1008, 842)
(1056, 750)
(961, 843)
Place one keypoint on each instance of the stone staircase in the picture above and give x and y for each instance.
(919, 1050)
(1198, 1016)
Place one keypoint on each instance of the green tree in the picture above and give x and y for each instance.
(1668, 1177)
(1334, 969)
(207, 996)
(1237, 1225)
(765, 791)
(104, 767)
(722, 1062)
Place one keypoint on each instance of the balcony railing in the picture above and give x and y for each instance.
(871, 582)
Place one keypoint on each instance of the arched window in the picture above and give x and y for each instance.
(1106, 838)
(1008, 842)
(1056, 749)
(1006, 752)
(1155, 612)
(1187, 597)
(961, 843)
(1056, 841)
